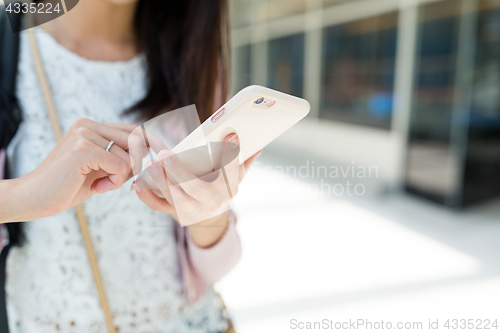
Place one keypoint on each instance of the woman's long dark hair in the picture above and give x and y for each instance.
(186, 44)
(186, 47)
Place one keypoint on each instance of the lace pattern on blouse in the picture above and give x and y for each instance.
(49, 281)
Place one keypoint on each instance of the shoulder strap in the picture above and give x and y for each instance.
(80, 214)
(10, 114)
(10, 118)
(4, 321)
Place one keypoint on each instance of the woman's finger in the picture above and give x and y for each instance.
(118, 135)
(139, 142)
(153, 141)
(148, 139)
(244, 167)
(124, 127)
(183, 203)
(159, 177)
(230, 162)
(96, 158)
(178, 174)
(93, 178)
(121, 134)
(137, 149)
(173, 193)
(103, 143)
(152, 200)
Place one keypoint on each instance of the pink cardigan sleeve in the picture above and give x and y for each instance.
(203, 266)
(3, 228)
(2, 162)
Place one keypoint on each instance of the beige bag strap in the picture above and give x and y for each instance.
(80, 214)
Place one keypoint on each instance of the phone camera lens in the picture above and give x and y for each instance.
(260, 100)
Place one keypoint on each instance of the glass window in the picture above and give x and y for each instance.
(482, 169)
(358, 72)
(241, 66)
(332, 2)
(286, 64)
(241, 12)
(282, 8)
(244, 12)
(432, 168)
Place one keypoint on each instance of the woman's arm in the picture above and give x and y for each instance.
(207, 233)
(15, 200)
(217, 260)
(202, 266)
(75, 169)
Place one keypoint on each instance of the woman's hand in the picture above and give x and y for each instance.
(196, 202)
(77, 167)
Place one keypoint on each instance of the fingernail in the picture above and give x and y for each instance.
(132, 189)
(148, 163)
(165, 156)
(233, 141)
(137, 188)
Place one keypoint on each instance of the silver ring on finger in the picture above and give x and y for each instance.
(110, 144)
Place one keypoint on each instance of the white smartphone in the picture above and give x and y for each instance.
(257, 114)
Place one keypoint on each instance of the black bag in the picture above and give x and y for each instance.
(10, 118)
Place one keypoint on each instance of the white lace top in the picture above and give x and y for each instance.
(49, 281)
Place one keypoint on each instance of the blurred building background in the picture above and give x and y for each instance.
(411, 86)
